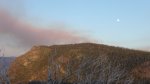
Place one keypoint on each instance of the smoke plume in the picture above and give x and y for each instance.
(27, 35)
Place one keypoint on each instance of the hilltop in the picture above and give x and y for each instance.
(77, 62)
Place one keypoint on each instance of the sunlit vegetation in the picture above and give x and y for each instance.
(85, 63)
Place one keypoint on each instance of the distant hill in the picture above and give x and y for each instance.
(6, 61)
(85, 62)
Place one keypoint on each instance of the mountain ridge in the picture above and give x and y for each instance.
(33, 65)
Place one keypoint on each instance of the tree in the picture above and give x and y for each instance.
(95, 70)
(54, 76)
(99, 70)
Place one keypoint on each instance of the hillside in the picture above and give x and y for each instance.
(78, 62)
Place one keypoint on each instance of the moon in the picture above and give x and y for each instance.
(118, 20)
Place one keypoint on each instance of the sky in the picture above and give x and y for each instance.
(25, 23)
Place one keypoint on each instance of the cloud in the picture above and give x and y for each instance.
(27, 35)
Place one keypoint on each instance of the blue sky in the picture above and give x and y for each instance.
(115, 22)
(98, 18)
